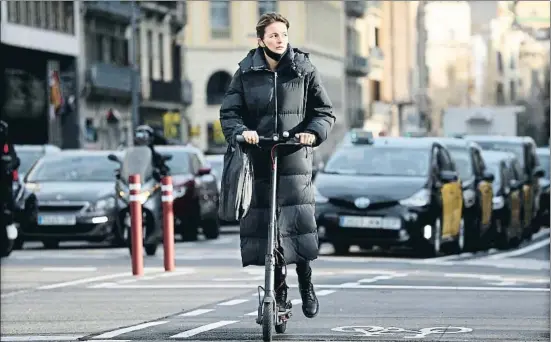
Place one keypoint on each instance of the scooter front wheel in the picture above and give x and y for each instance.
(267, 321)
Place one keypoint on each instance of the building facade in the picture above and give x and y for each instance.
(40, 46)
(214, 49)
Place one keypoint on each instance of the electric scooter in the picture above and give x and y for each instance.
(268, 312)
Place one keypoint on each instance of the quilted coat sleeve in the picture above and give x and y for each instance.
(232, 109)
(319, 109)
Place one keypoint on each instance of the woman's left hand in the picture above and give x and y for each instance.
(306, 138)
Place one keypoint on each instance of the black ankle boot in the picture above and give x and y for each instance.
(280, 287)
(310, 304)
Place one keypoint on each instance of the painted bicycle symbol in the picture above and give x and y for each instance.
(408, 333)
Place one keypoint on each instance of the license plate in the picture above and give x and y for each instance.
(57, 220)
(370, 222)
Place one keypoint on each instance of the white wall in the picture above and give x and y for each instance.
(38, 39)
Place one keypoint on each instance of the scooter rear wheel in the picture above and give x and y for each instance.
(267, 322)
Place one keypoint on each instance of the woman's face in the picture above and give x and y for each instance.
(275, 37)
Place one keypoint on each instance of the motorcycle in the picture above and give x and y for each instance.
(138, 161)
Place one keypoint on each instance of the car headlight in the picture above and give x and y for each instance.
(179, 191)
(498, 202)
(419, 199)
(319, 197)
(103, 204)
(469, 197)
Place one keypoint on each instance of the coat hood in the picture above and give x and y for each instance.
(298, 60)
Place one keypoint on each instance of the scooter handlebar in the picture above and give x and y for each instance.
(285, 140)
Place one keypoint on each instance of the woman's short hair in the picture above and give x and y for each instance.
(267, 19)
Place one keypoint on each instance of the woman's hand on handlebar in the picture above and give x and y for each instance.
(306, 138)
(251, 137)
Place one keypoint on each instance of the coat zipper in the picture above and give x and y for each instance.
(275, 103)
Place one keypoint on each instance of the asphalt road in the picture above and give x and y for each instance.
(89, 294)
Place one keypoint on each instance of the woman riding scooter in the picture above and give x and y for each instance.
(303, 109)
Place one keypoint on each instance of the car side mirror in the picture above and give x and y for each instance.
(447, 176)
(538, 172)
(114, 158)
(203, 171)
(488, 176)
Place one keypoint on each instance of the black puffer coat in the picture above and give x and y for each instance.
(302, 106)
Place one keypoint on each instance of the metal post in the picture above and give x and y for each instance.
(136, 224)
(168, 223)
(134, 66)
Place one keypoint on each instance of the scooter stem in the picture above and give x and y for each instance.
(270, 257)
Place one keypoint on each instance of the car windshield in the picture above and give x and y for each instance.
(27, 158)
(463, 162)
(380, 161)
(544, 163)
(179, 164)
(83, 168)
(516, 148)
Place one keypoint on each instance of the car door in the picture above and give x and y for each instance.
(484, 188)
(452, 198)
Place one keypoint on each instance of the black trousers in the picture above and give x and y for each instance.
(303, 269)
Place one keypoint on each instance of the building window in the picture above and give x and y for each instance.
(266, 6)
(220, 19)
(377, 39)
(106, 42)
(161, 56)
(47, 15)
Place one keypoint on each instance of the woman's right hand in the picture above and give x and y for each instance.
(251, 137)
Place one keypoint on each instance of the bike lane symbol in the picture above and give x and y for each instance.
(408, 333)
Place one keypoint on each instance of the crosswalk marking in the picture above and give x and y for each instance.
(233, 302)
(195, 312)
(203, 328)
(118, 332)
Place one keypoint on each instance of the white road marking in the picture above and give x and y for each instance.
(69, 269)
(324, 293)
(40, 338)
(195, 312)
(233, 302)
(240, 279)
(201, 329)
(296, 301)
(11, 294)
(254, 313)
(118, 332)
(521, 251)
(83, 281)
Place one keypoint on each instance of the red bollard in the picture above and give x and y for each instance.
(168, 223)
(134, 185)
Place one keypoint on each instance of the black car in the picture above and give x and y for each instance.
(508, 198)
(476, 182)
(524, 148)
(543, 214)
(389, 192)
(76, 199)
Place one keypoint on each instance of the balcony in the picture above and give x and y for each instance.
(357, 66)
(355, 9)
(109, 81)
(176, 9)
(113, 10)
(166, 91)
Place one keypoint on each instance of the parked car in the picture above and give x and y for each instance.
(476, 182)
(390, 192)
(76, 199)
(508, 225)
(524, 149)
